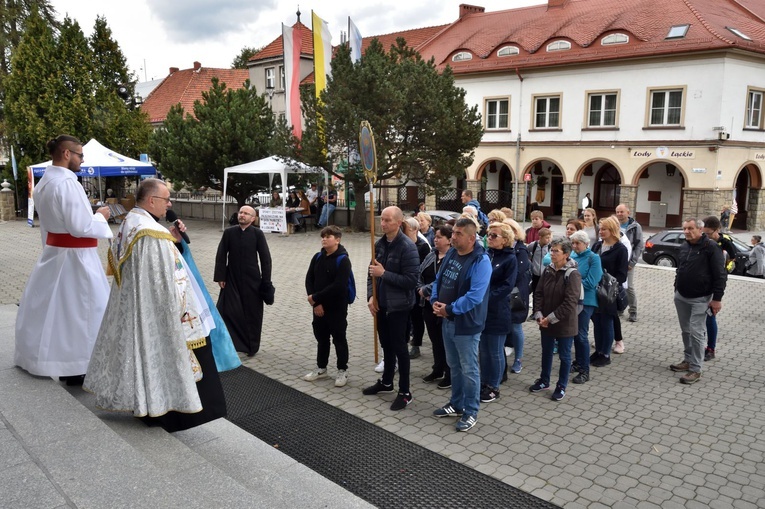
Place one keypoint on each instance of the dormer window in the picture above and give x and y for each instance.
(559, 46)
(677, 32)
(462, 56)
(739, 33)
(615, 39)
(507, 51)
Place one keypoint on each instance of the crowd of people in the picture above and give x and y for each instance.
(154, 343)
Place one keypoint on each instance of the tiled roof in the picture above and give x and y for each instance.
(185, 87)
(276, 47)
(584, 22)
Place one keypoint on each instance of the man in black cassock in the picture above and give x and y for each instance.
(242, 282)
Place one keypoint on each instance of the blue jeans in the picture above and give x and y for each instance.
(581, 342)
(326, 211)
(603, 331)
(515, 340)
(462, 357)
(492, 357)
(711, 332)
(564, 354)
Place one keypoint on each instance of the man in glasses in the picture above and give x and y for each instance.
(64, 300)
(153, 356)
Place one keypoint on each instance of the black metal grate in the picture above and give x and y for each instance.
(374, 464)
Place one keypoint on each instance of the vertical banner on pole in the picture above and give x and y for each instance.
(369, 165)
(31, 201)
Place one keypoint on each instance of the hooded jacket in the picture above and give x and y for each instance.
(327, 281)
(468, 311)
(634, 233)
(589, 267)
(504, 271)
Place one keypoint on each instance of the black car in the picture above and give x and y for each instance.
(662, 249)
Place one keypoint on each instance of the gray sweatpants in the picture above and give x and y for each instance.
(692, 315)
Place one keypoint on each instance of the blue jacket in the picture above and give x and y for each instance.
(523, 281)
(469, 309)
(395, 289)
(504, 270)
(589, 267)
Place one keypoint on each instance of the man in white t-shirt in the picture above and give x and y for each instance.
(312, 194)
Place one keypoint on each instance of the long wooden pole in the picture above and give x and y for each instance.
(374, 279)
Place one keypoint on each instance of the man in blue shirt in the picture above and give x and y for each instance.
(459, 297)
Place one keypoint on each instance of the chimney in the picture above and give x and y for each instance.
(197, 66)
(466, 9)
(556, 3)
(173, 70)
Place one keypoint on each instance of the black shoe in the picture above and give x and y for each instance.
(582, 377)
(575, 367)
(489, 394)
(401, 401)
(594, 356)
(709, 354)
(432, 377)
(633, 317)
(378, 388)
(601, 361)
(558, 394)
(414, 352)
(446, 383)
(73, 381)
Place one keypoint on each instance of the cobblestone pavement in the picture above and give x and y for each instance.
(632, 437)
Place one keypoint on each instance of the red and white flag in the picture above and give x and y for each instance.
(292, 40)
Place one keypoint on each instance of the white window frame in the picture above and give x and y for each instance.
(667, 110)
(282, 79)
(677, 31)
(615, 39)
(508, 51)
(497, 117)
(547, 99)
(462, 56)
(558, 46)
(603, 110)
(754, 115)
(270, 78)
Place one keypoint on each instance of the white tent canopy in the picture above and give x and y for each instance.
(273, 165)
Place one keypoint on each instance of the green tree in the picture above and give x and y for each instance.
(240, 62)
(13, 15)
(424, 131)
(115, 123)
(228, 127)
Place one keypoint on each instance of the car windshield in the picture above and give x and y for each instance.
(740, 246)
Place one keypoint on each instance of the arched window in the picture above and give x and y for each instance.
(615, 39)
(507, 51)
(462, 56)
(559, 46)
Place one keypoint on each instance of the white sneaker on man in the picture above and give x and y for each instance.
(315, 375)
(342, 378)
(381, 367)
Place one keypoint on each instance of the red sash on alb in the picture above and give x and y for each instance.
(66, 240)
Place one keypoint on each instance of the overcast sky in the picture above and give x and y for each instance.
(158, 34)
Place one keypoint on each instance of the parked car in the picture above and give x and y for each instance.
(662, 249)
(440, 217)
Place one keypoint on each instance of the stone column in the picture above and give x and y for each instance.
(6, 202)
(628, 196)
(755, 219)
(700, 203)
(475, 186)
(570, 202)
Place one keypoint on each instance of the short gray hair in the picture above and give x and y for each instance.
(563, 242)
(698, 222)
(580, 236)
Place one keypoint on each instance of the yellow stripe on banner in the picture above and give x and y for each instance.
(320, 63)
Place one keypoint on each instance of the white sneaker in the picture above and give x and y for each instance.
(342, 378)
(381, 367)
(315, 375)
(508, 351)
